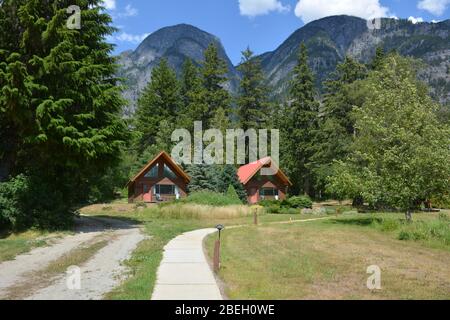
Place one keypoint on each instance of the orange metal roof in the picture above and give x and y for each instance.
(168, 160)
(245, 173)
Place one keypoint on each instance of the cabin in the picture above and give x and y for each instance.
(159, 180)
(263, 187)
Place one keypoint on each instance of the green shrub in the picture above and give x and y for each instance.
(426, 230)
(231, 193)
(273, 209)
(300, 202)
(211, 198)
(30, 202)
(268, 203)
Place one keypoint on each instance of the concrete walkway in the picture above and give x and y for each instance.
(184, 273)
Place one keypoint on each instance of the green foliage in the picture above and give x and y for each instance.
(59, 107)
(304, 202)
(202, 178)
(298, 125)
(253, 106)
(160, 101)
(336, 125)
(274, 206)
(400, 154)
(231, 192)
(377, 61)
(438, 230)
(228, 177)
(28, 201)
(211, 198)
(213, 96)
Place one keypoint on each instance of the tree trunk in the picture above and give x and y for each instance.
(409, 216)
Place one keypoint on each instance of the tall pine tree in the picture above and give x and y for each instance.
(299, 125)
(59, 106)
(161, 100)
(336, 125)
(214, 96)
(253, 106)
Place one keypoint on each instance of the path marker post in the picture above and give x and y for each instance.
(216, 262)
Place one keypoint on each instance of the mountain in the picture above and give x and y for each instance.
(330, 39)
(176, 44)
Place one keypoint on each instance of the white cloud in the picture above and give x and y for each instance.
(309, 10)
(133, 38)
(109, 4)
(254, 8)
(415, 20)
(129, 11)
(436, 7)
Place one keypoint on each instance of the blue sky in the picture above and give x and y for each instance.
(261, 24)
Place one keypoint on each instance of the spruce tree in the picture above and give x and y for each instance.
(200, 178)
(229, 177)
(193, 97)
(299, 125)
(214, 95)
(377, 60)
(161, 100)
(60, 104)
(336, 125)
(253, 106)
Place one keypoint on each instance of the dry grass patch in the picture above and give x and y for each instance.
(325, 260)
(201, 212)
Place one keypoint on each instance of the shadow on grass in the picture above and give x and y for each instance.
(361, 222)
(101, 223)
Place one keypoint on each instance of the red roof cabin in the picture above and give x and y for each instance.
(263, 187)
(160, 180)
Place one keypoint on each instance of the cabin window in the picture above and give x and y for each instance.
(168, 173)
(268, 192)
(153, 173)
(260, 177)
(164, 189)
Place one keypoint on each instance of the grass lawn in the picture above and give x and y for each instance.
(162, 227)
(328, 259)
(12, 245)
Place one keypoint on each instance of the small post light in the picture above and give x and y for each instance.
(216, 263)
(255, 217)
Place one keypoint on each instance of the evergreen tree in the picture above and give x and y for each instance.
(377, 61)
(59, 106)
(214, 96)
(163, 142)
(229, 177)
(193, 97)
(161, 100)
(231, 193)
(190, 82)
(252, 101)
(299, 125)
(200, 178)
(336, 125)
(400, 154)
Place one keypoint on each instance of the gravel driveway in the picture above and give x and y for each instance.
(26, 278)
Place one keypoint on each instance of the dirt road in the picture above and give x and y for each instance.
(98, 248)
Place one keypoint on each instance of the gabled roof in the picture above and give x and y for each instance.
(247, 172)
(167, 160)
